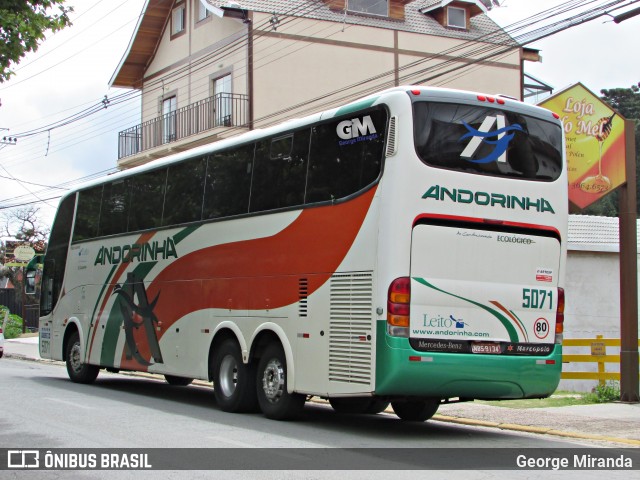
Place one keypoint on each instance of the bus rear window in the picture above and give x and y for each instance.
(487, 141)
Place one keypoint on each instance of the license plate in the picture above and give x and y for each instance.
(485, 348)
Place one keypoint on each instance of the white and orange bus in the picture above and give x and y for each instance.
(406, 248)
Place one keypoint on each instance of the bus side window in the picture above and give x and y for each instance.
(147, 200)
(280, 172)
(55, 259)
(340, 167)
(184, 192)
(88, 215)
(228, 182)
(115, 208)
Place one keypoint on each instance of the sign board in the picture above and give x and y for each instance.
(598, 349)
(595, 143)
(24, 253)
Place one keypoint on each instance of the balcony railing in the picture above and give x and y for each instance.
(222, 110)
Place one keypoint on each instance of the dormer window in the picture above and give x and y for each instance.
(456, 17)
(455, 13)
(370, 7)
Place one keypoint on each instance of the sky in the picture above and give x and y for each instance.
(71, 70)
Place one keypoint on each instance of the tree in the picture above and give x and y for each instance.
(20, 227)
(23, 24)
(626, 101)
(24, 225)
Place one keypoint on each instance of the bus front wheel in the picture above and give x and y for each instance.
(275, 402)
(233, 381)
(79, 372)
(416, 411)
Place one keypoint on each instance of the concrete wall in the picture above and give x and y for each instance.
(592, 307)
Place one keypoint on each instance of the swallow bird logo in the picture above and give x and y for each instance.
(499, 138)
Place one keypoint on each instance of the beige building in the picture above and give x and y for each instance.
(209, 69)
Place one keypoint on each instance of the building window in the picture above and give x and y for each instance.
(203, 12)
(169, 119)
(456, 17)
(371, 7)
(223, 100)
(178, 16)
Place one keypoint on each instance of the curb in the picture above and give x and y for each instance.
(437, 417)
(532, 429)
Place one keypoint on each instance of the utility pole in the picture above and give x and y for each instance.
(7, 140)
(629, 274)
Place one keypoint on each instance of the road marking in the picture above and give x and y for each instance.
(71, 404)
(235, 443)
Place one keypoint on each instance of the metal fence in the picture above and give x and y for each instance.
(222, 110)
(30, 314)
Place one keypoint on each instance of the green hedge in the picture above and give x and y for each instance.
(13, 329)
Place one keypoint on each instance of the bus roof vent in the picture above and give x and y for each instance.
(391, 137)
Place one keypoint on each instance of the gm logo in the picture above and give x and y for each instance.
(23, 459)
(355, 128)
(503, 135)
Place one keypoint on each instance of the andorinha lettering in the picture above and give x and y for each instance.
(459, 195)
(141, 252)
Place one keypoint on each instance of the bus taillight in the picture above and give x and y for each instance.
(560, 316)
(398, 302)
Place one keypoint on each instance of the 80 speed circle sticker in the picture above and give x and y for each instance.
(541, 328)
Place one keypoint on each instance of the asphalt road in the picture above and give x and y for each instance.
(43, 409)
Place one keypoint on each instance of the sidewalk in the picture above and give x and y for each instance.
(609, 423)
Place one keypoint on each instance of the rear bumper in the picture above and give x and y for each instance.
(401, 370)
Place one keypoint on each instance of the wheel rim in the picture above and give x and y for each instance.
(273, 380)
(74, 357)
(228, 375)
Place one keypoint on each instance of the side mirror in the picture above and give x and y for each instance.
(30, 282)
(30, 274)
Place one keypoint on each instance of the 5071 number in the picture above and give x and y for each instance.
(538, 299)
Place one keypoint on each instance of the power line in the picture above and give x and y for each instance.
(92, 110)
(486, 50)
(43, 55)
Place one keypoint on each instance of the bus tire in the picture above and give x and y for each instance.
(358, 405)
(78, 371)
(234, 382)
(274, 400)
(416, 411)
(377, 406)
(178, 381)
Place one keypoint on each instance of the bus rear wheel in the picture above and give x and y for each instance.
(234, 382)
(178, 381)
(416, 411)
(79, 372)
(275, 402)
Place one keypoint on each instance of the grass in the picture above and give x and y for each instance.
(608, 393)
(558, 399)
